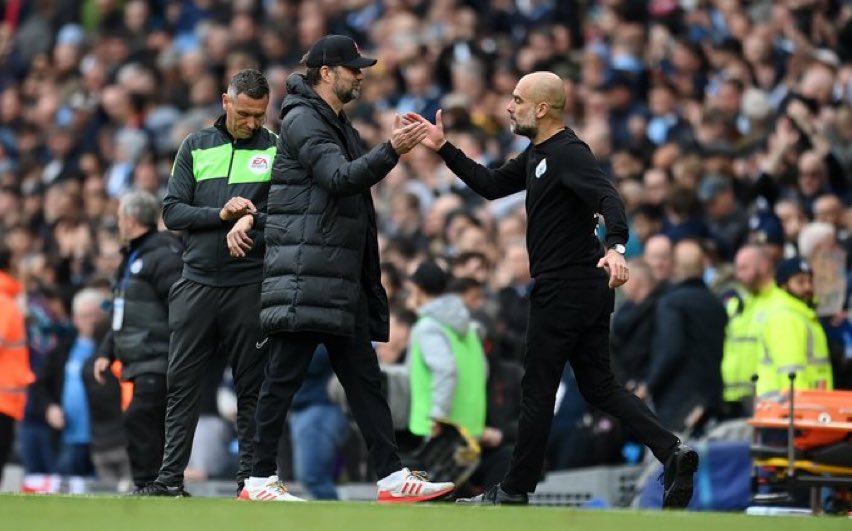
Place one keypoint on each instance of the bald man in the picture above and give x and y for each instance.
(685, 379)
(747, 312)
(571, 303)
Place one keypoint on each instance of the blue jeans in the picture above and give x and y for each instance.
(38, 453)
(75, 459)
(317, 432)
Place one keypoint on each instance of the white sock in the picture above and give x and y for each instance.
(397, 477)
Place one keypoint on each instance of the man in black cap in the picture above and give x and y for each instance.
(793, 338)
(322, 278)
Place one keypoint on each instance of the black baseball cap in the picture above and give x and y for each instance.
(790, 268)
(337, 50)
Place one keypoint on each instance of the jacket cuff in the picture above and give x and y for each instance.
(214, 217)
(614, 239)
(448, 151)
(394, 156)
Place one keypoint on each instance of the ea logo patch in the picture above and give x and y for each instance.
(136, 266)
(541, 168)
(259, 164)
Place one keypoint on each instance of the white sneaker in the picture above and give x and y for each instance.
(266, 489)
(405, 486)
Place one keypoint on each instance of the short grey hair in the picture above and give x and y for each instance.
(141, 206)
(87, 297)
(250, 82)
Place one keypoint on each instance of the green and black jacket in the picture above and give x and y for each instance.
(210, 168)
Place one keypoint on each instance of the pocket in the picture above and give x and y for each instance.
(174, 288)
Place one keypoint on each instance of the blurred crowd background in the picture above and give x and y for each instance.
(721, 121)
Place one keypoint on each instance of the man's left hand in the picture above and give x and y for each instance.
(614, 264)
(238, 239)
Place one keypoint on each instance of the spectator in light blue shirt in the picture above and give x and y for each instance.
(75, 455)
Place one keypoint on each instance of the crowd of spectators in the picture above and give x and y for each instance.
(722, 122)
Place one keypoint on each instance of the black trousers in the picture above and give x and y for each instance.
(569, 322)
(357, 367)
(7, 439)
(144, 424)
(205, 320)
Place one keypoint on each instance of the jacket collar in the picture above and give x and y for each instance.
(798, 305)
(138, 242)
(694, 281)
(300, 93)
(223, 128)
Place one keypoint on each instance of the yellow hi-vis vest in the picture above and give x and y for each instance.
(793, 340)
(746, 316)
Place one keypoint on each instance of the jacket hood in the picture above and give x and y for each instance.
(450, 311)
(300, 93)
(9, 286)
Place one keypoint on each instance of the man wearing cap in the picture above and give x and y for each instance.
(322, 277)
(792, 339)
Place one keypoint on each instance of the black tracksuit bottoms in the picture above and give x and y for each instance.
(207, 321)
(144, 424)
(569, 322)
(357, 367)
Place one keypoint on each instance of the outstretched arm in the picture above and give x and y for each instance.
(490, 184)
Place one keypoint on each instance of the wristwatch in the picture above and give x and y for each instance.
(619, 248)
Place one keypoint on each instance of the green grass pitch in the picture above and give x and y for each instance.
(69, 513)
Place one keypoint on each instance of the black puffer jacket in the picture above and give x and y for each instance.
(322, 248)
(152, 264)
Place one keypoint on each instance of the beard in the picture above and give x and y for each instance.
(528, 130)
(347, 94)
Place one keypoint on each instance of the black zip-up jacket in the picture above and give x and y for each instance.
(566, 189)
(141, 343)
(210, 168)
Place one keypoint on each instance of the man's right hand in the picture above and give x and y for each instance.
(235, 208)
(491, 437)
(101, 365)
(405, 137)
(435, 138)
(55, 417)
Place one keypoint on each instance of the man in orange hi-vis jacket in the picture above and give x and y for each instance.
(15, 373)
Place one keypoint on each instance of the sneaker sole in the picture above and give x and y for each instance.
(680, 493)
(468, 501)
(415, 499)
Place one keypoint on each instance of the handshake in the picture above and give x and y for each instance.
(411, 129)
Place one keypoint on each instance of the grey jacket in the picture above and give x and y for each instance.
(449, 311)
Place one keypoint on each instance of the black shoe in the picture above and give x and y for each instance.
(158, 489)
(495, 495)
(677, 477)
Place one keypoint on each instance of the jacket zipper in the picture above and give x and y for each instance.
(219, 247)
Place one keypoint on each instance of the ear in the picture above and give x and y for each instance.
(226, 100)
(541, 110)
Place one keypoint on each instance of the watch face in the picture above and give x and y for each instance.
(618, 248)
